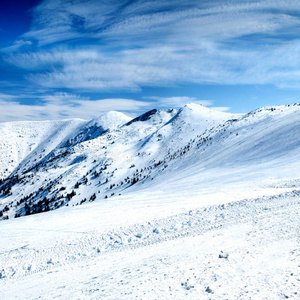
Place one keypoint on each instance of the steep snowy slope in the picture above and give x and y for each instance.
(19, 139)
(107, 122)
(189, 122)
(258, 147)
(192, 151)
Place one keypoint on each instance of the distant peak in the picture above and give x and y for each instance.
(112, 114)
(193, 105)
(110, 119)
(195, 108)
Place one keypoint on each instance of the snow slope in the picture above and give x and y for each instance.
(190, 203)
(98, 126)
(194, 150)
(246, 249)
(20, 139)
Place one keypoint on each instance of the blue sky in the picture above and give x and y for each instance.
(74, 58)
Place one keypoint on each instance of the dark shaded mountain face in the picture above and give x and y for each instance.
(144, 117)
(52, 164)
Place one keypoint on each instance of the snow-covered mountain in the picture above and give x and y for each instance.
(187, 152)
(176, 204)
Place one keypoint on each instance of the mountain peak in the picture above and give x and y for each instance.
(109, 120)
(196, 111)
(193, 105)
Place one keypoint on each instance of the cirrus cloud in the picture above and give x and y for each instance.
(64, 106)
(68, 106)
(92, 47)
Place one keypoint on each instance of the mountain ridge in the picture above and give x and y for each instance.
(83, 161)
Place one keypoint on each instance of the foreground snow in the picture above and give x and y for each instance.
(245, 249)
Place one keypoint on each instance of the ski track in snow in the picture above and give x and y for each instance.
(90, 246)
(241, 250)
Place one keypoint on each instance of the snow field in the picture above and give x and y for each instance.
(247, 249)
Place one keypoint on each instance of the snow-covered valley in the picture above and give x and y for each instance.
(191, 203)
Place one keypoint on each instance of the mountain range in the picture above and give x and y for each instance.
(179, 153)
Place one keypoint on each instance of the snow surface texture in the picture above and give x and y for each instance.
(190, 203)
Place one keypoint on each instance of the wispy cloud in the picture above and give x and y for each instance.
(16, 46)
(65, 106)
(158, 43)
(162, 66)
(96, 46)
(175, 102)
(221, 108)
(56, 21)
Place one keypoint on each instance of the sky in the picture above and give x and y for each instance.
(80, 58)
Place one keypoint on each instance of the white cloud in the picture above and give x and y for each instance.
(16, 46)
(175, 102)
(68, 106)
(129, 46)
(163, 66)
(6, 97)
(65, 106)
(56, 20)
